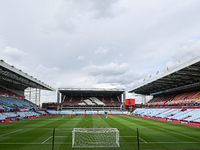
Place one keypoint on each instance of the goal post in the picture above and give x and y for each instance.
(95, 137)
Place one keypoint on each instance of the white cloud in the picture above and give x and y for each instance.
(109, 69)
(2, 42)
(82, 57)
(12, 54)
(48, 28)
(186, 51)
(46, 73)
(102, 50)
(121, 42)
(121, 55)
(112, 73)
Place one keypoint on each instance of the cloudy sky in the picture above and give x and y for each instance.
(98, 43)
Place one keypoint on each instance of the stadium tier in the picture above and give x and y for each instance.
(15, 107)
(186, 116)
(183, 107)
(87, 99)
(87, 112)
(6, 93)
(181, 99)
(91, 101)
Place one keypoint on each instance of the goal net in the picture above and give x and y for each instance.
(95, 137)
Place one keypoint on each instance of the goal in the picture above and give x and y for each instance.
(95, 137)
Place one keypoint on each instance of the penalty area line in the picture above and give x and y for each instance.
(49, 143)
(142, 140)
(136, 136)
(46, 140)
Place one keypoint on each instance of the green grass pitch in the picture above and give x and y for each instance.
(37, 133)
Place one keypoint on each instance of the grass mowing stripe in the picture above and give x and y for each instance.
(146, 125)
(66, 143)
(11, 132)
(125, 142)
(36, 133)
(189, 131)
(180, 134)
(170, 126)
(64, 128)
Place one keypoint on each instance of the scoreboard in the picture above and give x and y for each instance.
(132, 101)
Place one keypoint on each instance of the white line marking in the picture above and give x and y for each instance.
(127, 136)
(46, 140)
(11, 132)
(135, 136)
(37, 143)
(180, 134)
(143, 140)
(66, 143)
(174, 142)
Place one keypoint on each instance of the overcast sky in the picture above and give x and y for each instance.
(98, 43)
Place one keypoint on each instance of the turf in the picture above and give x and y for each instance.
(37, 133)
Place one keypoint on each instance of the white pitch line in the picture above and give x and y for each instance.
(46, 140)
(11, 132)
(62, 136)
(127, 136)
(67, 143)
(173, 142)
(143, 140)
(180, 134)
(135, 136)
(49, 143)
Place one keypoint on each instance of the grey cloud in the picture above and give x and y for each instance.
(101, 50)
(95, 43)
(108, 69)
(112, 73)
(186, 51)
(69, 14)
(105, 9)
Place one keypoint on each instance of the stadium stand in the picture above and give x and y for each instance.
(87, 101)
(13, 105)
(181, 99)
(97, 101)
(187, 115)
(176, 95)
(16, 104)
(91, 101)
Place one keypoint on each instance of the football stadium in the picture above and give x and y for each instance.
(97, 118)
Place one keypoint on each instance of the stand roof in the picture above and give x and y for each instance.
(185, 77)
(17, 79)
